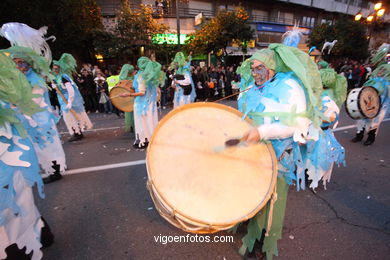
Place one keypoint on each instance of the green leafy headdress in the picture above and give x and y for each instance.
(281, 58)
(14, 89)
(179, 61)
(336, 83)
(380, 56)
(323, 64)
(124, 74)
(38, 63)
(150, 71)
(245, 72)
(67, 64)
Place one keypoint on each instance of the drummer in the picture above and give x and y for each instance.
(182, 67)
(145, 84)
(283, 101)
(127, 73)
(380, 80)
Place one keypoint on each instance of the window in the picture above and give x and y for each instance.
(308, 21)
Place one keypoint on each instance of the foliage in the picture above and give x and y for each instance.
(72, 22)
(350, 35)
(220, 31)
(136, 27)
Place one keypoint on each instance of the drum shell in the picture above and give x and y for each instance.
(184, 221)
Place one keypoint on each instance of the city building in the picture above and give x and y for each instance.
(269, 18)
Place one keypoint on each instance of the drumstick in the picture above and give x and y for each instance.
(230, 143)
(232, 95)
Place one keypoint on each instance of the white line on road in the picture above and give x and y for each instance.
(139, 162)
(98, 129)
(352, 126)
(105, 167)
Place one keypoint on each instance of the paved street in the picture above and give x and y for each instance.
(108, 214)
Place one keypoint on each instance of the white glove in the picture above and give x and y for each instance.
(53, 86)
(69, 106)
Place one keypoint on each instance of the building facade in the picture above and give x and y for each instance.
(269, 18)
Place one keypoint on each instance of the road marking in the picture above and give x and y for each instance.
(98, 129)
(105, 167)
(352, 126)
(140, 162)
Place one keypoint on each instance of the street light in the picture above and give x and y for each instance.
(370, 18)
(380, 12)
(378, 6)
(358, 16)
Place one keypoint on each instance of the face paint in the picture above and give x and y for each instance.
(56, 69)
(260, 74)
(21, 65)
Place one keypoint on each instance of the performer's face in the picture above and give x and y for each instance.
(260, 72)
(21, 65)
(56, 69)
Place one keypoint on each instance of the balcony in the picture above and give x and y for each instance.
(110, 10)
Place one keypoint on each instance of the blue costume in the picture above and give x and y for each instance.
(45, 136)
(183, 68)
(20, 221)
(284, 108)
(380, 80)
(145, 84)
(320, 155)
(75, 118)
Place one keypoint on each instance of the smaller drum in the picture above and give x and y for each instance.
(125, 84)
(363, 103)
(125, 104)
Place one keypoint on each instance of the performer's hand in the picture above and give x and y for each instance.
(69, 106)
(252, 136)
(53, 86)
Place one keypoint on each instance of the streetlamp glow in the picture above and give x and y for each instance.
(378, 6)
(370, 18)
(380, 12)
(358, 16)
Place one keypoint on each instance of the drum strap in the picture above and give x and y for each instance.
(274, 197)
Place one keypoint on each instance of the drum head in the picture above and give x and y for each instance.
(200, 181)
(369, 102)
(125, 104)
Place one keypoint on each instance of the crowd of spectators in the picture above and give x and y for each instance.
(355, 72)
(211, 83)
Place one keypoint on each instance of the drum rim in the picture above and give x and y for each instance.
(346, 104)
(235, 111)
(118, 87)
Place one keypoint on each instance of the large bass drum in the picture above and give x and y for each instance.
(195, 185)
(125, 104)
(363, 103)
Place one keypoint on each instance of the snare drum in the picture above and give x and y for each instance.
(363, 103)
(199, 189)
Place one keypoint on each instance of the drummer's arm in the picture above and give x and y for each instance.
(141, 88)
(278, 130)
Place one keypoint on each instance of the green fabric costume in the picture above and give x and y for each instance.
(281, 58)
(129, 116)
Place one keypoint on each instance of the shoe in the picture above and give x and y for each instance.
(47, 237)
(75, 137)
(52, 178)
(371, 137)
(359, 136)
